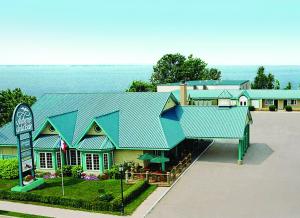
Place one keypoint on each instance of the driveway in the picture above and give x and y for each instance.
(266, 186)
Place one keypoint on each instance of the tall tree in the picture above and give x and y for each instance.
(141, 86)
(9, 99)
(263, 81)
(175, 68)
(288, 86)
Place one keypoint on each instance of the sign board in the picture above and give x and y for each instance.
(23, 126)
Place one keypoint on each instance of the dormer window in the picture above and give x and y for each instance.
(97, 128)
(51, 128)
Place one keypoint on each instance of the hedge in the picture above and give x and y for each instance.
(129, 195)
(115, 205)
(272, 108)
(9, 168)
(251, 108)
(55, 200)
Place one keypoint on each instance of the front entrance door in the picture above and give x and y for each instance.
(276, 103)
(284, 103)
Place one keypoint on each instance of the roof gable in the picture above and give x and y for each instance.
(110, 125)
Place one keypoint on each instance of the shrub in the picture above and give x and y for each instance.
(9, 168)
(67, 171)
(129, 195)
(76, 171)
(288, 108)
(251, 108)
(114, 173)
(272, 108)
(106, 197)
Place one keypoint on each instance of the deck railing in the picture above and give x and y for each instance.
(160, 179)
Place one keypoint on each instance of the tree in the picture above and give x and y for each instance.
(9, 99)
(168, 69)
(263, 81)
(176, 67)
(140, 86)
(212, 73)
(288, 86)
(277, 84)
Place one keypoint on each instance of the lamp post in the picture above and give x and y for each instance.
(121, 169)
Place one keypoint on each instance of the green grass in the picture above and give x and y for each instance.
(130, 208)
(15, 214)
(79, 189)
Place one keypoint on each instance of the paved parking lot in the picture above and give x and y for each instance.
(267, 185)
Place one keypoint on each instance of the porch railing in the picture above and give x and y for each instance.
(160, 179)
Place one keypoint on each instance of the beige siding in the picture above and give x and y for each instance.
(127, 155)
(93, 132)
(8, 150)
(170, 103)
(46, 130)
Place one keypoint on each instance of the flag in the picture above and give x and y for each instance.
(63, 146)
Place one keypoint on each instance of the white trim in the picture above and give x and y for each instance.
(46, 163)
(107, 161)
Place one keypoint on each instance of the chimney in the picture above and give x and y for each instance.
(183, 93)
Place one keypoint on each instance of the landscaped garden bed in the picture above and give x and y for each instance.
(81, 191)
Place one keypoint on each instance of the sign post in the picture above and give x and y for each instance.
(23, 121)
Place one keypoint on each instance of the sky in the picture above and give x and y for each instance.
(231, 32)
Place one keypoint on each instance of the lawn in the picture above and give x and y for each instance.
(82, 189)
(79, 188)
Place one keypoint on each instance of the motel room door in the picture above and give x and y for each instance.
(276, 103)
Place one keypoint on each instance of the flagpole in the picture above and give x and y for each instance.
(62, 173)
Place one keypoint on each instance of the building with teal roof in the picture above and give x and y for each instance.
(103, 129)
(260, 99)
(206, 85)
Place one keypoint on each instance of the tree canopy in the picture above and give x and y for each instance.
(288, 86)
(176, 67)
(263, 81)
(140, 86)
(9, 99)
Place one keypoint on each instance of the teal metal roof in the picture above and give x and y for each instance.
(209, 82)
(250, 93)
(213, 122)
(171, 127)
(129, 120)
(95, 143)
(273, 94)
(225, 94)
(136, 125)
(48, 142)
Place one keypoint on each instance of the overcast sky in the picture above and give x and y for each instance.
(141, 31)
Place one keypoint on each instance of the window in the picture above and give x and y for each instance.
(74, 157)
(241, 103)
(92, 161)
(105, 161)
(292, 102)
(58, 159)
(245, 103)
(51, 129)
(97, 128)
(46, 160)
(89, 163)
(269, 101)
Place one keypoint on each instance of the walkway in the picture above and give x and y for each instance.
(266, 186)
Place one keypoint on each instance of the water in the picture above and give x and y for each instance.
(38, 79)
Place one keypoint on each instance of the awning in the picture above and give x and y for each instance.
(96, 143)
(159, 159)
(146, 156)
(46, 142)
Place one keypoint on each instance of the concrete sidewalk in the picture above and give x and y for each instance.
(68, 213)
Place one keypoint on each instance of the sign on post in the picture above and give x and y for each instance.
(23, 127)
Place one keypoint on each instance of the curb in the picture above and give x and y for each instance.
(187, 169)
